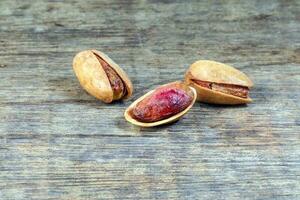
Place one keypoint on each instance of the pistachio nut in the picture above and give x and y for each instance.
(101, 77)
(218, 83)
(162, 105)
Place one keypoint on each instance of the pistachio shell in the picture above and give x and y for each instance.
(215, 72)
(119, 71)
(211, 71)
(215, 97)
(129, 118)
(93, 78)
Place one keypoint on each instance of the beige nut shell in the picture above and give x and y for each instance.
(173, 118)
(93, 78)
(211, 71)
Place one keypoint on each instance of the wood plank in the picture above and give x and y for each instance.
(57, 142)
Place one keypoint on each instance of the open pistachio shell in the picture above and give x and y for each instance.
(217, 73)
(95, 80)
(189, 91)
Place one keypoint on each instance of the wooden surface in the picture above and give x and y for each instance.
(57, 142)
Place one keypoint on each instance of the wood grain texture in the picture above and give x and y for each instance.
(57, 142)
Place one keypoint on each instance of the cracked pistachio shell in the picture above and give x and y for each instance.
(215, 72)
(93, 78)
(190, 90)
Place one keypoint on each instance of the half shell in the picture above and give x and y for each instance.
(128, 116)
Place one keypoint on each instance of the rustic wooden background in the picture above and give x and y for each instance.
(57, 142)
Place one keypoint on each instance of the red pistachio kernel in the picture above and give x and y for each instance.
(163, 103)
(119, 90)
